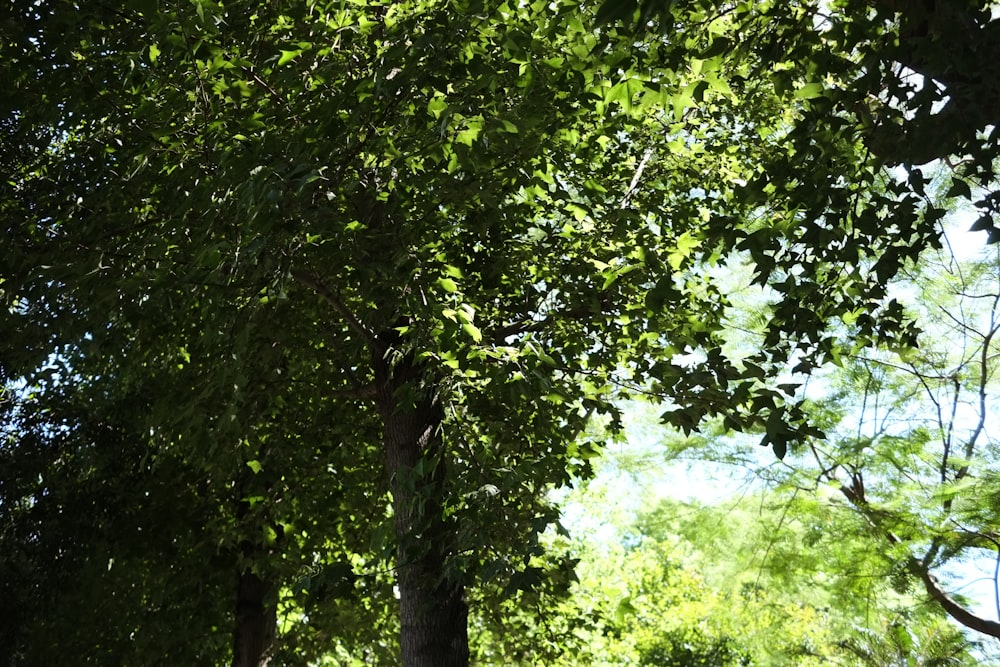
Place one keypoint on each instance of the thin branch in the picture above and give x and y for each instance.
(948, 434)
(501, 334)
(996, 584)
(828, 473)
(772, 542)
(272, 93)
(984, 376)
(313, 282)
(909, 368)
(528, 325)
(634, 185)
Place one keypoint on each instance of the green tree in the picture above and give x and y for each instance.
(361, 271)
(762, 578)
(909, 448)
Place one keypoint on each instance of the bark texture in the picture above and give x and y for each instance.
(256, 622)
(256, 611)
(433, 610)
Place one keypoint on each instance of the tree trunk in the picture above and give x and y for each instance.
(255, 622)
(433, 612)
(256, 612)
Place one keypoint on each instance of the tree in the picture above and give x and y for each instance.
(916, 460)
(909, 449)
(93, 546)
(914, 76)
(761, 578)
(385, 259)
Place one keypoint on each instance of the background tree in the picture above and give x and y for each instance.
(757, 578)
(909, 448)
(918, 460)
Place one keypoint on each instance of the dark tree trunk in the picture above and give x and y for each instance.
(433, 611)
(256, 611)
(256, 622)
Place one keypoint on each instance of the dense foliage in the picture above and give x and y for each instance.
(762, 579)
(306, 303)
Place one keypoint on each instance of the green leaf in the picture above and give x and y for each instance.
(468, 136)
(448, 285)
(614, 11)
(719, 85)
(719, 46)
(624, 609)
(984, 222)
(473, 331)
(579, 212)
(436, 106)
(288, 56)
(959, 188)
(621, 94)
(780, 447)
(687, 243)
(809, 91)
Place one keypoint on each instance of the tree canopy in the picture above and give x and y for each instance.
(761, 579)
(321, 294)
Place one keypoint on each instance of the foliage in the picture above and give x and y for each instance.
(915, 457)
(909, 75)
(354, 275)
(766, 579)
(86, 524)
(909, 447)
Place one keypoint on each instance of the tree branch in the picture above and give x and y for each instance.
(922, 569)
(634, 185)
(984, 377)
(527, 325)
(315, 283)
(514, 328)
(950, 605)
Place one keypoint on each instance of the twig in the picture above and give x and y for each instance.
(634, 185)
(313, 282)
